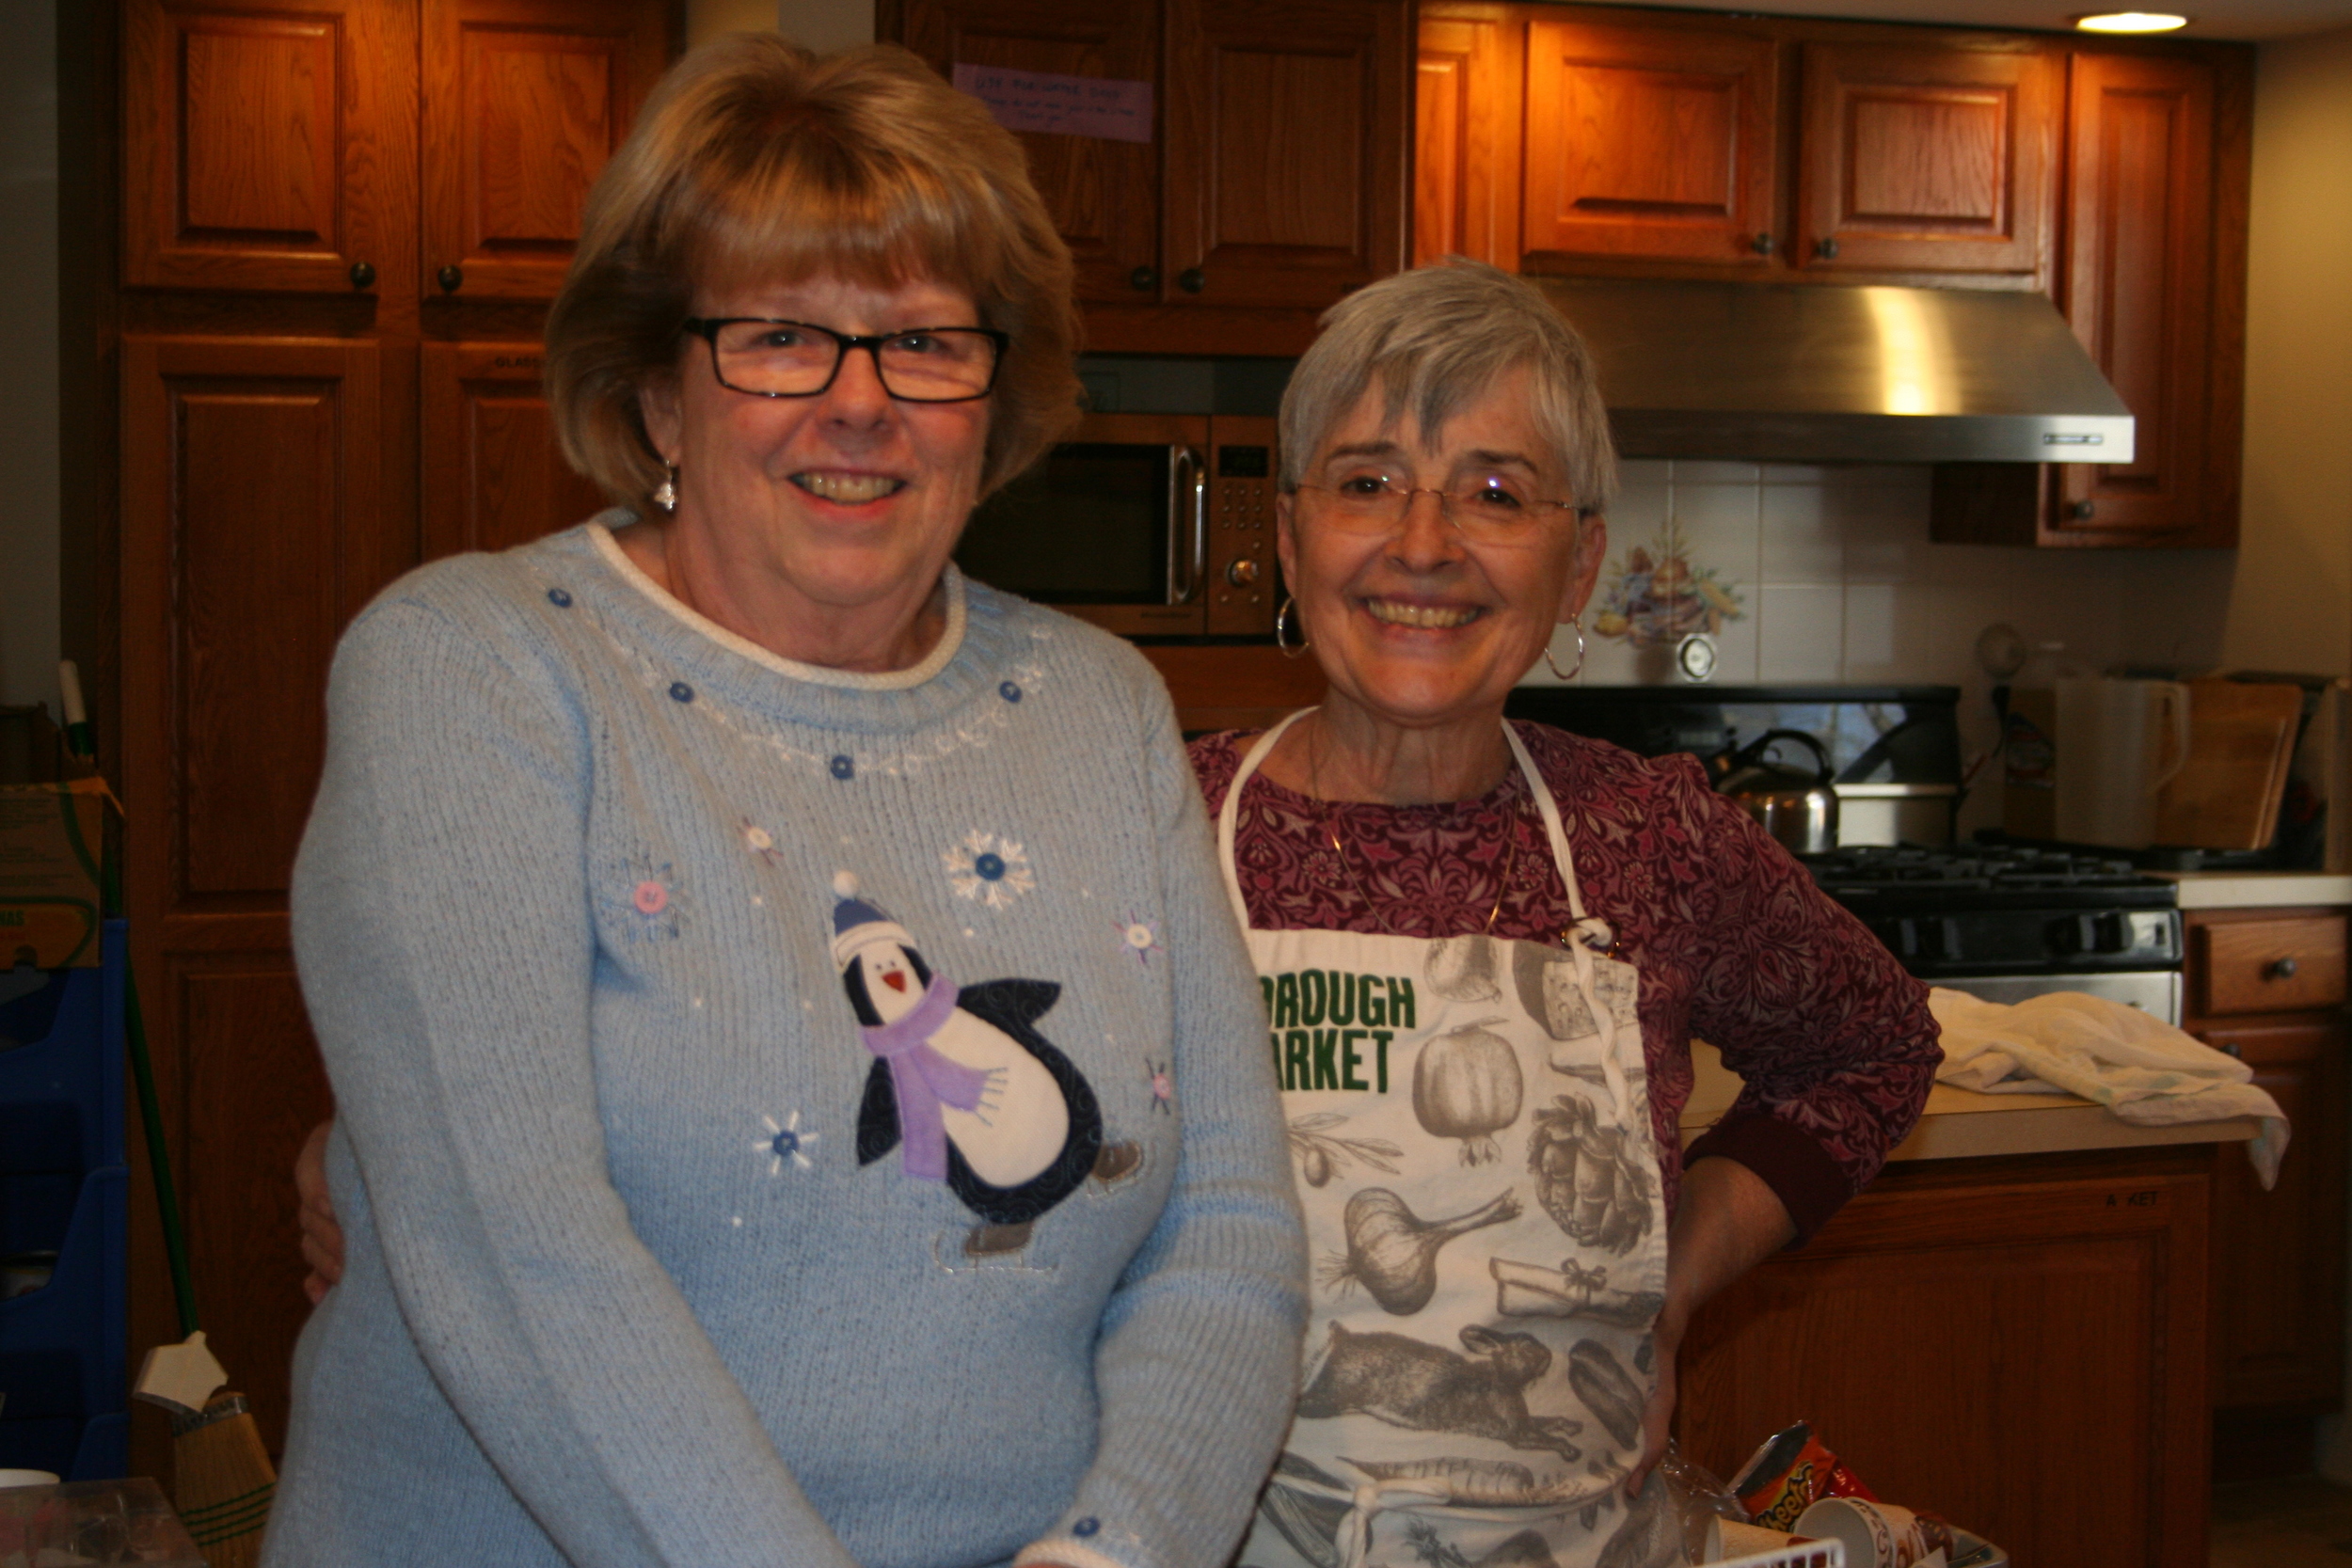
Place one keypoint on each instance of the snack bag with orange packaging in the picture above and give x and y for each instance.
(1789, 1473)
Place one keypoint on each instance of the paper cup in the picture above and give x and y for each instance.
(1727, 1539)
(1872, 1539)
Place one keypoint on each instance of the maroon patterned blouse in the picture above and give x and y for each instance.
(1734, 943)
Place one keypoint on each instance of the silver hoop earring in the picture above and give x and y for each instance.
(1281, 629)
(666, 492)
(1576, 624)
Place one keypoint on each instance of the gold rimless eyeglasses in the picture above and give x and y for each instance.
(1494, 510)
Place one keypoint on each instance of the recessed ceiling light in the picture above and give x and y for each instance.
(2130, 22)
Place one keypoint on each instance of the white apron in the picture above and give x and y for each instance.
(1470, 1120)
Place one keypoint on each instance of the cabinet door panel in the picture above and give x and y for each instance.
(252, 529)
(1650, 143)
(493, 477)
(1929, 158)
(1104, 195)
(2140, 283)
(1465, 142)
(267, 147)
(1286, 129)
(2279, 1255)
(524, 101)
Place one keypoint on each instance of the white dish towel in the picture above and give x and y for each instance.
(2066, 1042)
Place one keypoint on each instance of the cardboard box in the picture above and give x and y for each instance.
(51, 838)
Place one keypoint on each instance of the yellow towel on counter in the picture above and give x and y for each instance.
(2143, 1070)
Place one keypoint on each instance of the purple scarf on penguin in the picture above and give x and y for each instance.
(925, 1080)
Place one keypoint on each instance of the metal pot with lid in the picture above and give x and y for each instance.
(1799, 808)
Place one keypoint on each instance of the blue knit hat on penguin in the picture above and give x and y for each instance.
(858, 924)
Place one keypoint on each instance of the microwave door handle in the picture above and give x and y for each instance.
(1187, 480)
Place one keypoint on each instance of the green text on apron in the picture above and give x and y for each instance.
(1470, 1120)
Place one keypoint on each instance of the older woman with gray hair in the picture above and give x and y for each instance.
(1484, 949)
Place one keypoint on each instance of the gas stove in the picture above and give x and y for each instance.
(2000, 911)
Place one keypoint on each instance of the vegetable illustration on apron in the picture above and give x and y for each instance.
(1470, 1120)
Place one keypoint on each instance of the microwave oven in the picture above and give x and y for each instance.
(1155, 525)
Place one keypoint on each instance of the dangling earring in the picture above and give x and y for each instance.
(1576, 624)
(1281, 629)
(666, 492)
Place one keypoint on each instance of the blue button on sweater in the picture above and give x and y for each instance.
(642, 1014)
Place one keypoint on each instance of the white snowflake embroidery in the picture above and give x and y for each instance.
(989, 869)
(1140, 937)
(786, 1142)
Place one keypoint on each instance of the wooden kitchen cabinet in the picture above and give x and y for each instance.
(1276, 183)
(2268, 987)
(1761, 148)
(524, 101)
(1103, 195)
(2153, 282)
(2015, 1343)
(1927, 158)
(492, 476)
(269, 146)
(304, 411)
(1656, 142)
(237, 577)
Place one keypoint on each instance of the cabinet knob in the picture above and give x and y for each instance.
(362, 274)
(2082, 512)
(1242, 573)
(1192, 280)
(2282, 969)
(1827, 249)
(450, 277)
(1761, 245)
(1146, 278)
(2232, 1049)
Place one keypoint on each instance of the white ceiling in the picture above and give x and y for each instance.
(2209, 19)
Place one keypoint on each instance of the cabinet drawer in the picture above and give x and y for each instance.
(2271, 966)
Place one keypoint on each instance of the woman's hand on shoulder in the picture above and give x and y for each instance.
(322, 1237)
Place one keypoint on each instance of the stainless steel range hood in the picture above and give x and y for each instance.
(1830, 373)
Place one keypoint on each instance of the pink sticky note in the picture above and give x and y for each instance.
(1063, 105)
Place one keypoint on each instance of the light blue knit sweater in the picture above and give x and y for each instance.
(620, 1289)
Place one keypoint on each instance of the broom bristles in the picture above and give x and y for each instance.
(226, 1481)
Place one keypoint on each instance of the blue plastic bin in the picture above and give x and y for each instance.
(63, 1191)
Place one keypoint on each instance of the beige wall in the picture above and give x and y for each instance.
(28, 354)
(2291, 605)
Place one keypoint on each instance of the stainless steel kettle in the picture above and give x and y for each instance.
(1797, 809)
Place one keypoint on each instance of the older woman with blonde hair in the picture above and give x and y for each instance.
(1485, 948)
(801, 1097)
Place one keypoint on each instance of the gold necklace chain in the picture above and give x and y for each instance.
(1330, 829)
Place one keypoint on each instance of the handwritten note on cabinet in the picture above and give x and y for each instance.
(1063, 105)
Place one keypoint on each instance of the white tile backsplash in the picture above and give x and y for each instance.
(1838, 581)
(1800, 630)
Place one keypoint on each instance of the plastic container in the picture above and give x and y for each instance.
(93, 1522)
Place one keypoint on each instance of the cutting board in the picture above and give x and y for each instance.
(2241, 738)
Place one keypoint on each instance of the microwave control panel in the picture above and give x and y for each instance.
(1240, 585)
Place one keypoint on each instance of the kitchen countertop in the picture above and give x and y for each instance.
(2257, 890)
(1962, 1124)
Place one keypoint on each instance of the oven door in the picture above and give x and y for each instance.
(1112, 526)
(2154, 991)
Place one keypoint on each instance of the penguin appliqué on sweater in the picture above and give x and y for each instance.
(963, 1081)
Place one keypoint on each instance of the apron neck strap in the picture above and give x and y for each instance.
(1229, 815)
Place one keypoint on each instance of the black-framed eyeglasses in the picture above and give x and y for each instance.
(773, 359)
